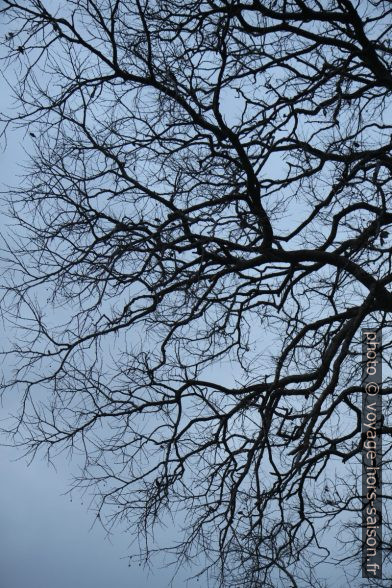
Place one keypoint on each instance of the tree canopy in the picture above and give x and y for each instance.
(201, 232)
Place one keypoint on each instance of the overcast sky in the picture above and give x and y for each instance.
(47, 541)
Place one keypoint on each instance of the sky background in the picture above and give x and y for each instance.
(47, 541)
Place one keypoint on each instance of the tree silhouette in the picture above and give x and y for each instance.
(201, 233)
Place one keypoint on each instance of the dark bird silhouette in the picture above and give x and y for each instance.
(33, 135)
(21, 49)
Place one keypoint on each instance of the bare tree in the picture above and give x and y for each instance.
(201, 232)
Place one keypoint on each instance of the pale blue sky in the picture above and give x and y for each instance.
(45, 540)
